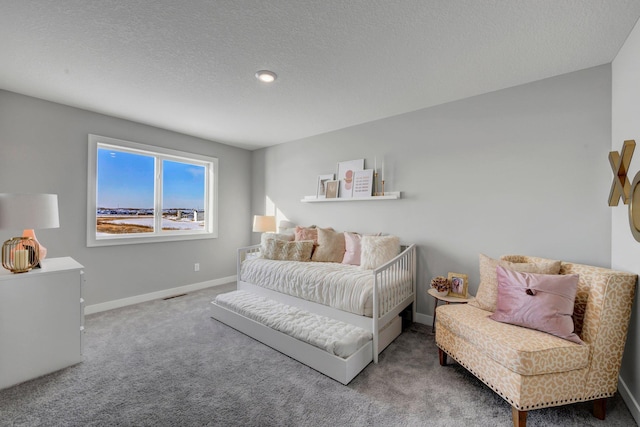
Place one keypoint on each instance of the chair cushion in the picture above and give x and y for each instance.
(524, 351)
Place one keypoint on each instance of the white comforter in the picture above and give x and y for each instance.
(342, 286)
(333, 336)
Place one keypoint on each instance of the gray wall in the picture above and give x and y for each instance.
(625, 250)
(522, 170)
(43, 149)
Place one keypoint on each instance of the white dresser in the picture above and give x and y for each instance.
(41, 320)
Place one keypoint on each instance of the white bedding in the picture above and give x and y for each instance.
(333, 336)
(342, 286)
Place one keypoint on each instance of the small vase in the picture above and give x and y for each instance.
(441, 293)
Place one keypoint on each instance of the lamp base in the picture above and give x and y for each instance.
(42, 251)
(19, 254)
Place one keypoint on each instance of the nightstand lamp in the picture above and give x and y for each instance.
(28, 212)
(264, 224)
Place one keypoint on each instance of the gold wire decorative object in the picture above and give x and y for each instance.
(20, 254)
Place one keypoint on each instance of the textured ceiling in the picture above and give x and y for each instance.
(189, 66)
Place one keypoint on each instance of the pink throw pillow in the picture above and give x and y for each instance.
(537, 301)
(307, 233)
(352, 248)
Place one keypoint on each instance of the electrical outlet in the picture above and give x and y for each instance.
(196, 266)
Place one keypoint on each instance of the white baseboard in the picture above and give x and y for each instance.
(110, 305)
(424, 319)
(628, 398)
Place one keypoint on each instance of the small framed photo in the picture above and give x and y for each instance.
(331, 189)
(321, 187)
(459, 285)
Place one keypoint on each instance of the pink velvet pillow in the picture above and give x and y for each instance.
(352, 248)
(307, 233)
(537, 301)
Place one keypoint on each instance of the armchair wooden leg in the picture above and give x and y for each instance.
(442, 356)
(519, 417)
(600, 408)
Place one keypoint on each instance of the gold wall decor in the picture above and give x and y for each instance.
(620, 187)
(634, 208)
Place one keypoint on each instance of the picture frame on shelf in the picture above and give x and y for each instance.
(345, 175)
(363, 183)
(459, 285)
(332, 188)
(321, 186)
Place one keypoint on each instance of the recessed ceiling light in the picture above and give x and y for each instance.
(266, 76)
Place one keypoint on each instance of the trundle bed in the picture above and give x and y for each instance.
(332, 317)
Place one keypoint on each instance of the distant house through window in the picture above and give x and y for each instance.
(140, 193)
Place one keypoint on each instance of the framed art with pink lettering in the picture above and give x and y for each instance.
(346, 176)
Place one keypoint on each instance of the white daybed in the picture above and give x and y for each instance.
(373, 302)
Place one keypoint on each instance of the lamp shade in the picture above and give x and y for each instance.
(28, 211)
(264, 223)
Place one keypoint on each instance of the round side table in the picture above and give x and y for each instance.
(447, 300)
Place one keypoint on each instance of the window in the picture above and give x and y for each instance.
(140, 194)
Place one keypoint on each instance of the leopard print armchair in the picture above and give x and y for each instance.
(532, 369)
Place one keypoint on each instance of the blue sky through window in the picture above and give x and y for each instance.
(183, 185)
(126, 180)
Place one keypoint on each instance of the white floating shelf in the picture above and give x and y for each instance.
(387, 196)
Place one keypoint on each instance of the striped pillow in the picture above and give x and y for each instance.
(282, 250)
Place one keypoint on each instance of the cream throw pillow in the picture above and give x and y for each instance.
(265, 241)
(297, 251)
(275, 248)
(288, 228)
(487, 295)
(377, 250)
(331, 246)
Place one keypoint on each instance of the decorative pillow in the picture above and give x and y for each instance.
(488, 289)
(331, 246)
(278, 236)
(287, 251)
(377, 250)
(298, 251)
(287, 227)
(266, 237)
(537, 301)
(307, 233)
(353, 244)
(269, 248)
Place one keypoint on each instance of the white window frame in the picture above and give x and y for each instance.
(159, 153)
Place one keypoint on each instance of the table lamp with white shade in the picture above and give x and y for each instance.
(27, 212)
(264, 224)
